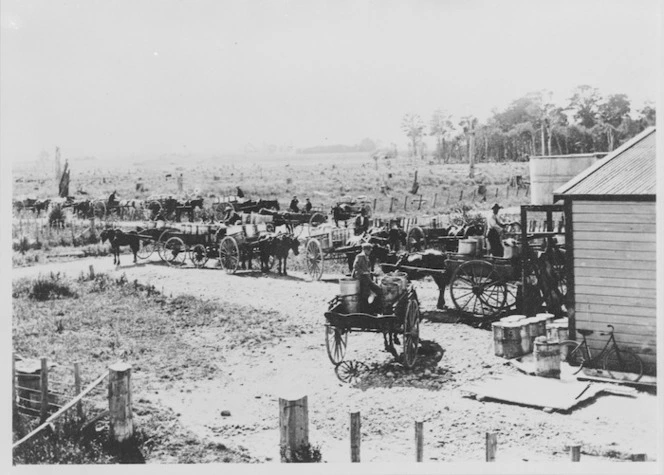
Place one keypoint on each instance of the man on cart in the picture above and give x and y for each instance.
(361, 223)
(362, 272)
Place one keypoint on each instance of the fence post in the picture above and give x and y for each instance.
(435, 198)
(92, 273)
(419, 441)
(391, 203)
(575, 451)
(461, 195)
(44, 389)
(77, 387)
(419, 205)
(405, 202)
(355, 436)
(293, 425)
(491, 445)
(496, 192)
(119, 402)
(374, 206)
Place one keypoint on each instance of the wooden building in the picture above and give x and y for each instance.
(610, 238)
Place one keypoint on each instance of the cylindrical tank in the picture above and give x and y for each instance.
(547, 173)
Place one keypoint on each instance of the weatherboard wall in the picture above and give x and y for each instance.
(615, 273)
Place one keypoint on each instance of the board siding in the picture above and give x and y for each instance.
(615, 274)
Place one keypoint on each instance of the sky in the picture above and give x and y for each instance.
(143, 78)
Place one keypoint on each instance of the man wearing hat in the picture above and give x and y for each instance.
(308, 206)
(361, 223)
(494, 230)
(362, 272)
(294, 205)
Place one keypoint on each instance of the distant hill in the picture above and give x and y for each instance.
(367, 145)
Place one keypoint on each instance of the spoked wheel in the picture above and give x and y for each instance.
(350, 371)
(229, 254)
(415, 240)
(99, 209)
(146, 249)
(161, 242)
(175, 251)
(335, 341)
(477, 289)
(198, 255)
(623, 365)
(314, 259)
(411, 333)
(574, 354)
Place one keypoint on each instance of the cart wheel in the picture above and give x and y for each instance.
(415, 240)
(316, 220)
(335, 341)
(574, 354)
(146, 249)
(229, 254)
(314, 258)
(477, 289)
(161, 242)
(350, 371)
(198, 255)
(411, 333)
(99, 209)
(175, 252)
(623, 364)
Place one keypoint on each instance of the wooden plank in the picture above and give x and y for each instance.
(614, 254)
(419, 441)
(610, 227)
(293, 425)
(617, 300)
(616, 281)
(582, 232)
(642, 316)
(601, 290)
(580, 263)
(355, 436)
(623, 332)
(634, 273)
(597, 218)
(619, 246)
(624, 207)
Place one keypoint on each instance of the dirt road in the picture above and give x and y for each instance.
(251, 378)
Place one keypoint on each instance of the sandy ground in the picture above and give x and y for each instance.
(252, 378)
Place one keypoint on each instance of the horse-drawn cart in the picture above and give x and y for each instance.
(240, 244)
(402, 317)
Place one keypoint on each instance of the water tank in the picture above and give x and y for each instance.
(547, 173)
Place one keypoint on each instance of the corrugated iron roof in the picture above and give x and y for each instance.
(628, 170)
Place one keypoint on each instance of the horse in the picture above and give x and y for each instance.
(281, 244)
(117, 238)
(267, 204)
(41, 205)
(341, 213)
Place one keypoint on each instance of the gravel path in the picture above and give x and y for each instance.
(253, 377)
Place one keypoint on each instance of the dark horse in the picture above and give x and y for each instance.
(119, 238)
(278, 246)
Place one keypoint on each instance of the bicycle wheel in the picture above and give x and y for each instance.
(574, 354)
(623, 365)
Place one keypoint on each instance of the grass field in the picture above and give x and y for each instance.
(324, 178)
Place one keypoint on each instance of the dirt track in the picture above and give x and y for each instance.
(251, 378)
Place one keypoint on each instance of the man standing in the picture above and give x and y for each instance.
(361, 223)
(494, 230)
(308, 206)
(394, 237)
(362, 272)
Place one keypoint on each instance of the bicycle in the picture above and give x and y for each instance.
(619, 363)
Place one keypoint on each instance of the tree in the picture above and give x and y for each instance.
(611, 114)
(413, 127)
(469, 123)
(584, 103)
(441, 126)
(647, 115)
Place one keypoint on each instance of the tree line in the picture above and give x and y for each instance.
(533, 125)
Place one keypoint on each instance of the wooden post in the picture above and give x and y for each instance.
(119, 402)
(496, 192)
(517, 191)
(92, 273)
(405, 202)
(374, 206)
(77, 387)
(293, 425)
(575, 451)
(419, 442)
(639, 458)
(44, 389)
(419, 205)
(491, 445)
(355, 436)
(461, 195)
(391, 203)
(474, 192)
(435, 198)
